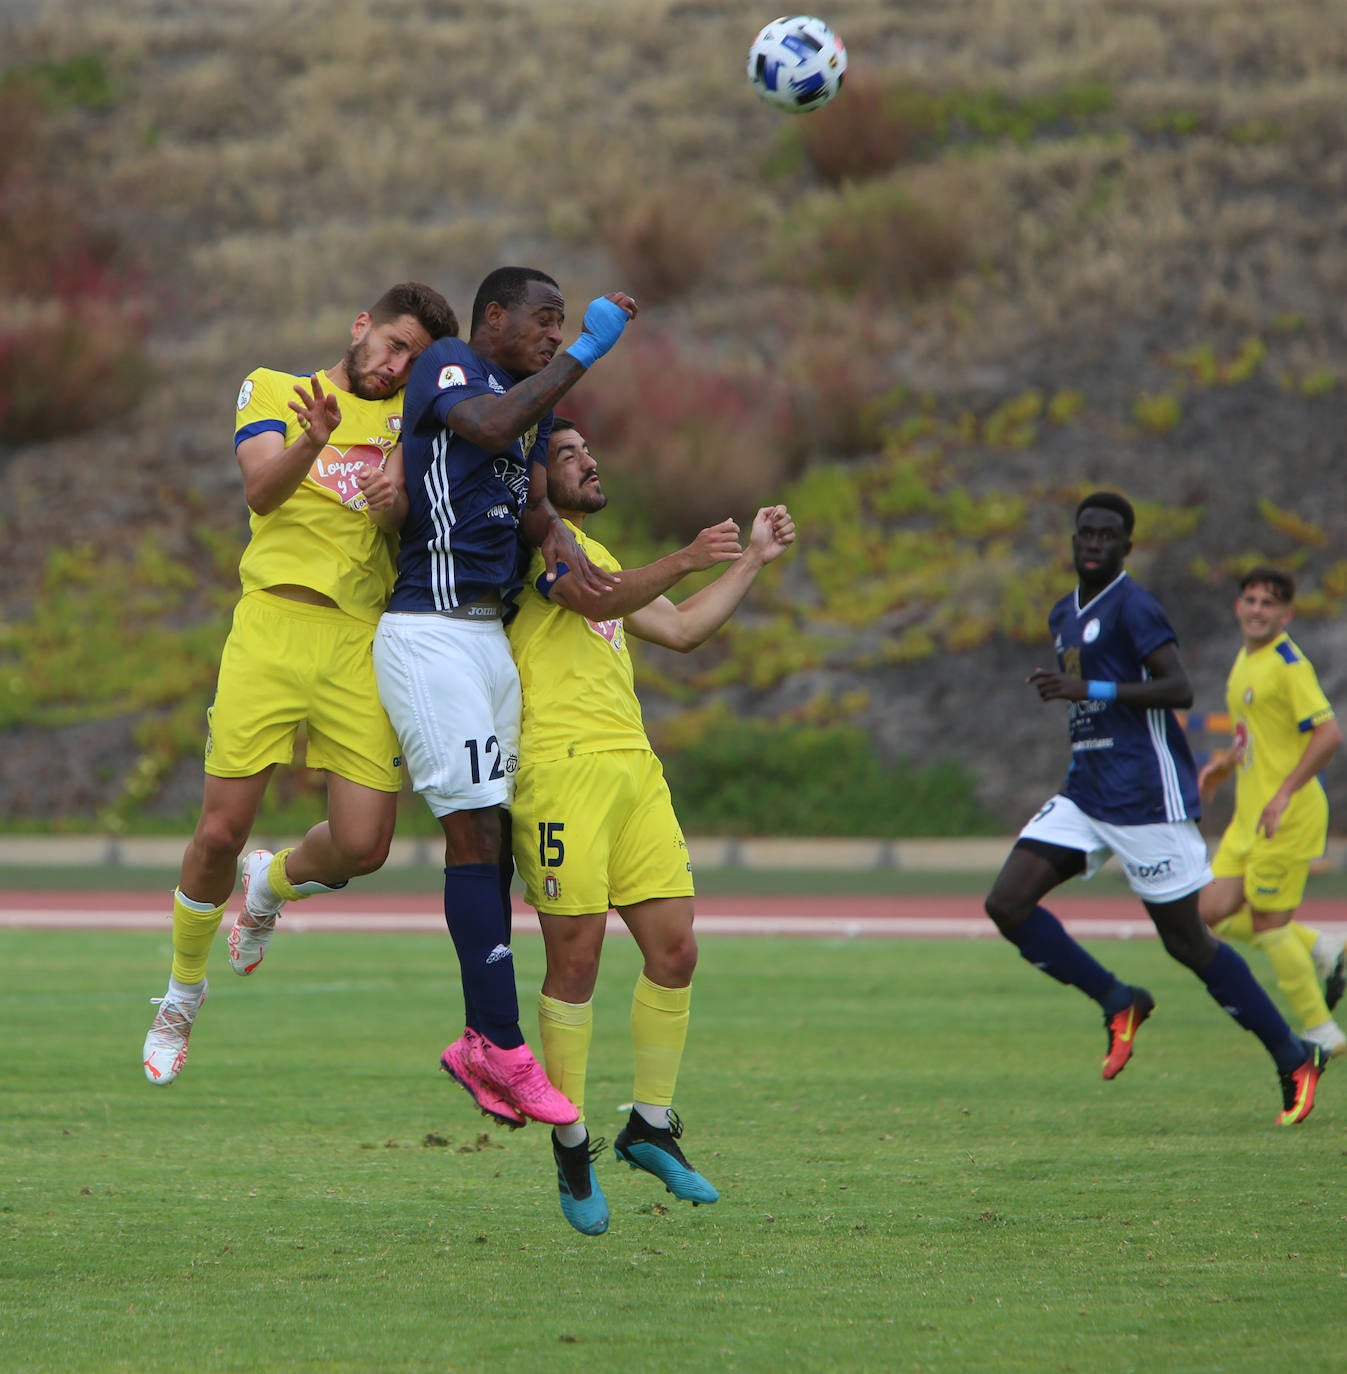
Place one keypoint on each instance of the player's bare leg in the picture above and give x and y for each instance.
(660, 1009)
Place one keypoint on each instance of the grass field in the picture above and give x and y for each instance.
(920, 1169)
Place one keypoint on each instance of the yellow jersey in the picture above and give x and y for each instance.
(1274, 699)
(322, 536)
(575, 674)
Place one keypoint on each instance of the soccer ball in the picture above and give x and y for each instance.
(797, 63)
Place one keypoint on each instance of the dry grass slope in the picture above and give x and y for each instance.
(1113, 249)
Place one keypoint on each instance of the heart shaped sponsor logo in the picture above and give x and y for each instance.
(611, 630)
(335, 470)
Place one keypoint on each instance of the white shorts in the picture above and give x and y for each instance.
(451, 689)
(1163, 862)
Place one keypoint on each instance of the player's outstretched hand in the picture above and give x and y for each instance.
(772, 534)
(1056, 686)
(715, 544)
(605, 319)
(559, 547)
(319, 412)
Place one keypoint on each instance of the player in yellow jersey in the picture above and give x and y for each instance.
(322, 474)
(593, 822)
(1284, 734)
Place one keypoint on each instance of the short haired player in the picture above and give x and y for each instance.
(1131, 791)
(1284, 735)
(594, 826)
(475, 450)
(322, 473)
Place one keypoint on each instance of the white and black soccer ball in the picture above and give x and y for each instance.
(797, 63)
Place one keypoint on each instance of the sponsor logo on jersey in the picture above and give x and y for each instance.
(500, 513)
(335, 470)
(611, 630)
(245, 393)
(450, 375)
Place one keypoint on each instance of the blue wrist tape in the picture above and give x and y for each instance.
(604, 323)
(1101, 691)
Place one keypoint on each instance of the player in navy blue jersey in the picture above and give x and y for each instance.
(476, 420)
(1131, 791)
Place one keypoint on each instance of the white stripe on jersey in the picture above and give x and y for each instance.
(1169, 773)
(443, 581)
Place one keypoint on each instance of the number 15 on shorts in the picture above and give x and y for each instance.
(551, 848)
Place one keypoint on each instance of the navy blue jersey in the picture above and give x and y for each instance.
(459, 541)
(1129, 765)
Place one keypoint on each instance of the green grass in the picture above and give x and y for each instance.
(920, 1169)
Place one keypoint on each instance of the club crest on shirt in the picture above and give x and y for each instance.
(395, 423)
(551, 887)
(1091, 632)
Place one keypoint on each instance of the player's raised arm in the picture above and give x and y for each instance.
(685, 625)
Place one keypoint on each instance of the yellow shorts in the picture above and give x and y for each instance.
(598, 831)
(1274, 874)
(284, 664)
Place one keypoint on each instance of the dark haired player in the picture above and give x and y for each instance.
(1131, 791)
(594, 824)
(322, 474)
(1284, 735)
(477, 420)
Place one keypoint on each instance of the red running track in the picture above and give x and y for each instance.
(838, 917)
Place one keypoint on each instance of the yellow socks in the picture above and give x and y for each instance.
(1296, 975)
(1237, 927)
(566, 1029)
(659, 1030)
(1240, 927)
(280, 885)
(194, 927)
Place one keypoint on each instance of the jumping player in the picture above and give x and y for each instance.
(1131, 791)
(478, 415)
(322, 474)
(594, 826)
(1284, 734)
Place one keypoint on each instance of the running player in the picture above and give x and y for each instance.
(1284, 734)
(1131, 791)
(322, 474)
(475, 442)
(594, 825)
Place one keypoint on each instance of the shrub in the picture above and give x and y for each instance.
(753, 777)
(73, 317)
(1157, 414)
(872, 238)
(693, 440)
(666, 238)
(873, 126)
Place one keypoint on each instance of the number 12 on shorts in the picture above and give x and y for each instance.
(551, 850)
(491, 749)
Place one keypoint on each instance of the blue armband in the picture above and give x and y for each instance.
(604, 323)
(1100, 691)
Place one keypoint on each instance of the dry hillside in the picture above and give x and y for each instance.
(1035, 246)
